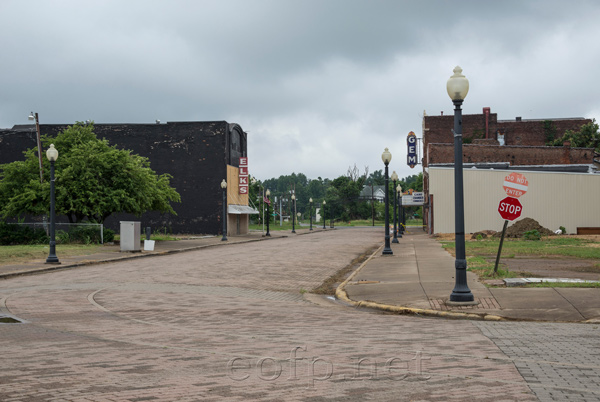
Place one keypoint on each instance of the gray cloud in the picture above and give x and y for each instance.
(319, 85)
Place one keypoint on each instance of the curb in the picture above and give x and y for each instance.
(84, 263)
(341, 294)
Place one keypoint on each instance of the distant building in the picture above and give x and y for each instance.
(199, 155)
(489, 143)
(371, 192)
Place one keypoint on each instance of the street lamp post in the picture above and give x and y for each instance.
(52, 155)
(324, 213)
(403, 214)
(386, 156)
(399, 196)
(458, 87)
(293, 213)
(268, 214)
(224, 187)
(394, 180)
(310, 210)
(34, 116)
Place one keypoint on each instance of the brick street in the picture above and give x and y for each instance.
(237, 323)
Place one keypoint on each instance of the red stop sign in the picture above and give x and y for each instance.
(510, 208)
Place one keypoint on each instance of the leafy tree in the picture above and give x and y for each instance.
(376, 178)
(93, 180)
(587, 137)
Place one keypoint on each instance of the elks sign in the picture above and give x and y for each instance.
(411, 142)
(243, 184)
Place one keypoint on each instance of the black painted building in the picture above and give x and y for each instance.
(199, 155)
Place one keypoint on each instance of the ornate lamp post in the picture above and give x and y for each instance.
(52, 155)
(324, 213)
(331, 215)
(399, 196)
(224, 187)
(293, 213)
(386, 156)
(458, 87)
(394, 178)
(268, 213)
(310, 210)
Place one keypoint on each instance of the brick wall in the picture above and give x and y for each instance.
(438, 130)
(194, 153)
(515, 155)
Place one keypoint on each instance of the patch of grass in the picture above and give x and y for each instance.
(485, 269)
(26, 253)
(546, 247)
(330, 284)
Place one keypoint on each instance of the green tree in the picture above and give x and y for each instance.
(93, 180)
(587, 137)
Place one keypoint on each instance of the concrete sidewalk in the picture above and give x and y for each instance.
(112, 253)
(419, 277)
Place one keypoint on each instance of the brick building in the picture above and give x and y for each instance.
(490, 142)
(199, 155)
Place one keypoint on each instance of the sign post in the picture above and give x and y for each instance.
(510, 208)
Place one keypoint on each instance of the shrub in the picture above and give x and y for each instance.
(85, 234)
(109, 235)
(532, 235)
(563, 229)
(20, 234)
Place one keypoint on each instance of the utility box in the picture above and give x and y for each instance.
(130, 236)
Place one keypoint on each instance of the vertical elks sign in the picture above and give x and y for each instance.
(411, 142)
(243, 185)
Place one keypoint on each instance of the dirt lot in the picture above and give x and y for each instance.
(553, 268)
(556, 267)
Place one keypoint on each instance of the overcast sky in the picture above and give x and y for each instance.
(319, 85)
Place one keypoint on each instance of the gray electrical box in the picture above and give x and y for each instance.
(130, 236)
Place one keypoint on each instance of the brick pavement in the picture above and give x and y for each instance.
(229, 323)
(561, 362)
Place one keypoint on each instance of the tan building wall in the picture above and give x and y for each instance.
(237, 224)
(553, 199)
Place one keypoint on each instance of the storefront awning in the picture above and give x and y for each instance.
(241, 210)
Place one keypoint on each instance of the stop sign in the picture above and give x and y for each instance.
(510, 208)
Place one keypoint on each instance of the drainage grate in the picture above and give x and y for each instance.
(485, 303)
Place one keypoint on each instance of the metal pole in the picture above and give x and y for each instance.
(461, 292)
(224, 215)
(372, 205)
(52, 258)
(403, 216)
(500, 247)
(39, 145)
(263, 211)
(387, 248)
(294, 217)
(311, 216)
(400, 228)
(268, 219)
(395, 240)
